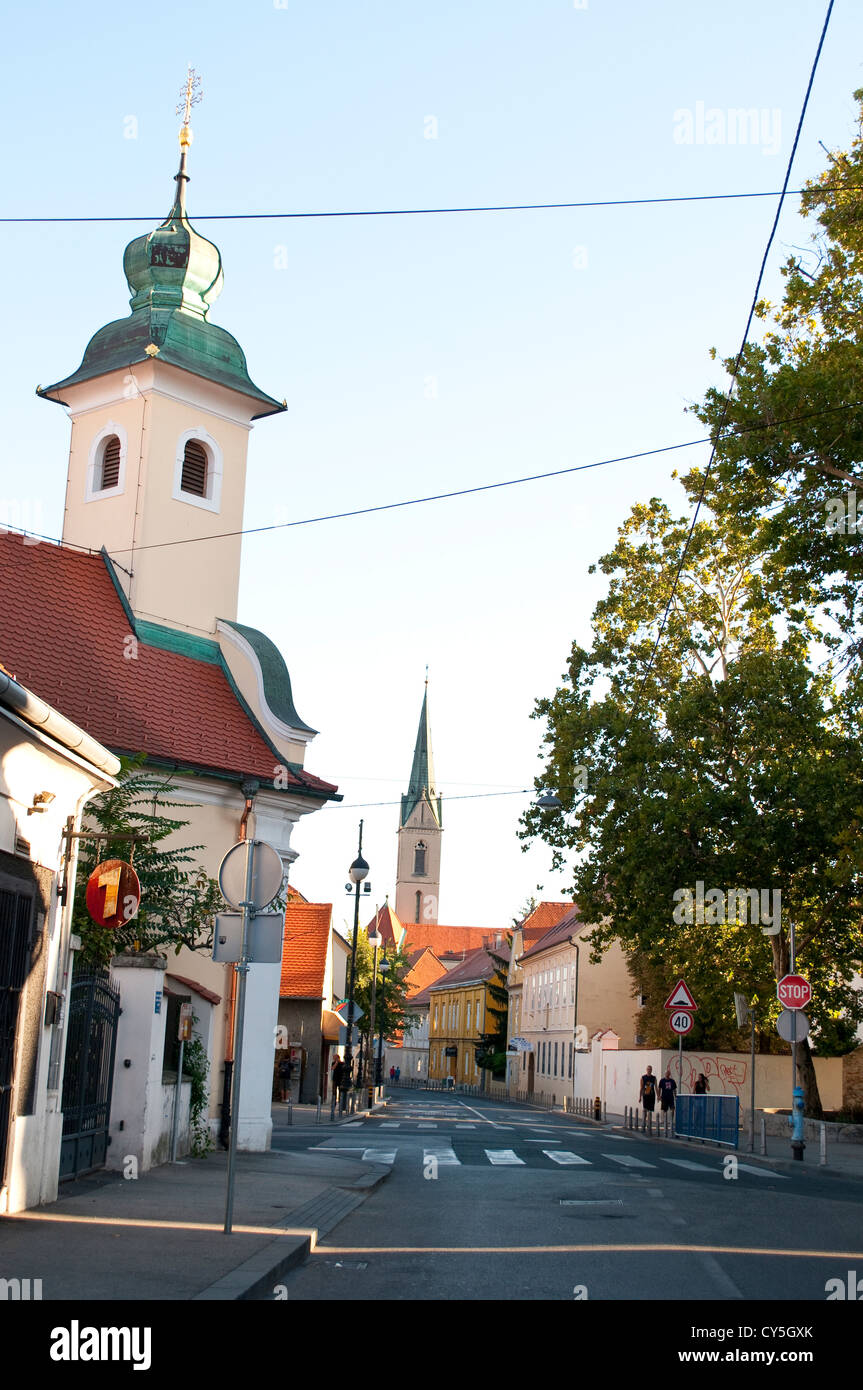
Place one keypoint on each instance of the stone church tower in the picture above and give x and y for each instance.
(419, 838)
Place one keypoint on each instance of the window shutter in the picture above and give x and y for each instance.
(110, 463)
(194, 478)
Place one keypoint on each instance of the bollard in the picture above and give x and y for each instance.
(318, 1112)
(763, 1135)
(290, 1112)
(823, 1159)
(605, 1112)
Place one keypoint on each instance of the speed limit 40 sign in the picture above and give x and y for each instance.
(681, 1021)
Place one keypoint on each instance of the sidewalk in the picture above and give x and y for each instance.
(843, 1160)
(161, 1236)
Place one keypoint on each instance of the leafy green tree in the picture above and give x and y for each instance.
(392, 1015)
(178, 898)
(793, 445)
(731, 763)
(492, 1050)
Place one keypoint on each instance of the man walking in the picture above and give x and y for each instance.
(667, 1089)
(647, 1093)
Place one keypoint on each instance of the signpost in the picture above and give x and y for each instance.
(250, 876)
(680, 1005)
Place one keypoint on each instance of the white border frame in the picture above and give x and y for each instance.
(94, 463)
(212, 502)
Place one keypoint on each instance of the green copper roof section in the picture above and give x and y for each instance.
(173, 639)
(274, 672)
(174, 274)
(422, 772)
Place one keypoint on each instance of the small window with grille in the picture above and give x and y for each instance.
(195, 465)
(109, 471)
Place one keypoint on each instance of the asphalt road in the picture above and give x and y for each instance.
(486, 1201)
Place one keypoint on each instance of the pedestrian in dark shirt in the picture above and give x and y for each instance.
(667, 1088)
(286, 1072)
(701, 1087)
(647, 1090)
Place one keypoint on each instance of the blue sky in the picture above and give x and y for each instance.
(420, 354)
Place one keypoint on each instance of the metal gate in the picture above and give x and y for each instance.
(94, 1009)
(16, 914)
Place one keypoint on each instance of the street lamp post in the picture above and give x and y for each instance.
(358, 871)
(374, 941)
(384, 968)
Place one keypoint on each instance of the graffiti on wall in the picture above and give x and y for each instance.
(725, 1075)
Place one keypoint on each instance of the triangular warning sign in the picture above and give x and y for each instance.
(680, 998)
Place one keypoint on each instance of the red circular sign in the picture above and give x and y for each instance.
(113, 893)
(794, 992)
(681, 1020)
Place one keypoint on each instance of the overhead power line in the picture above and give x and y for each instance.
(737, 362)
(458, 492)
(437, 212)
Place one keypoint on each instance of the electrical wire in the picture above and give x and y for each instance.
(433, 212)
(737, 362)
(447, 496)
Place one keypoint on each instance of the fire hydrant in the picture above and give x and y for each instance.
(795, 1119)
(597, 1108)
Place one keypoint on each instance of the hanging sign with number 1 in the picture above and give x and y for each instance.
(113, 893)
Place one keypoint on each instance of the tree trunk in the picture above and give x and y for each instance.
(808, 1080)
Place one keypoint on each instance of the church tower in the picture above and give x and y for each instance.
(420, 831)
(161, 408)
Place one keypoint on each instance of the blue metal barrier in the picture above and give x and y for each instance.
(715, 1119)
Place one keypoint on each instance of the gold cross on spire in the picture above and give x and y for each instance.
(189, 96)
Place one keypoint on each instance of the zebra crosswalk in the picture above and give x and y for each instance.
(442, 1154)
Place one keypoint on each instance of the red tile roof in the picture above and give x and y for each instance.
(571, 925)
(64, 633)
(305, 948)
(195, 985)
(388, 924)
(445, 940)
(425, 969)
(544, 915)
(478, 965)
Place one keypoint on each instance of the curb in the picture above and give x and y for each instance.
(791, 1164)
(253, 1280)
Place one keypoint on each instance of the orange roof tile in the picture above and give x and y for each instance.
(445, 940)
(304, 951)
(388, 924)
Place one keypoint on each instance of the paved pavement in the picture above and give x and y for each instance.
(565, 1206)
(161, 1236)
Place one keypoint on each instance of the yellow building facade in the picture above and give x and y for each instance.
(461, 1012)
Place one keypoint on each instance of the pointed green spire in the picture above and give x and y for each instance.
(422, 783)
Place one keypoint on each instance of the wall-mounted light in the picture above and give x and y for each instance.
(41, 802)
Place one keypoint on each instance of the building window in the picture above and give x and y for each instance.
(419, 900)
(106, 467)
(570, 1061)
(109, 462)
(198, 471)
(467, 1019)
(420, 859)
(195, 463)
(554, 1072)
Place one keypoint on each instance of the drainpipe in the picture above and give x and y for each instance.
(250, 790)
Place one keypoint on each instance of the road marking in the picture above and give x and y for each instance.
(591, 1201)
(465, 1124)
(761, 1172)
(628, 1161)
(442, 1154)
(503, 1157)
(426, 1125)
(390, 1124)
(687, 1163)
(543, 1141)
(563, 1156)
(654, 1192)
(354, 1124)
(379, 1156)
(725, 1283)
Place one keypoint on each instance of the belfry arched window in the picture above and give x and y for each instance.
(195, 468)
(420, 858)
(419, 900)
(108, 473)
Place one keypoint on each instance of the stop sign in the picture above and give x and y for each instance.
(794, 992)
